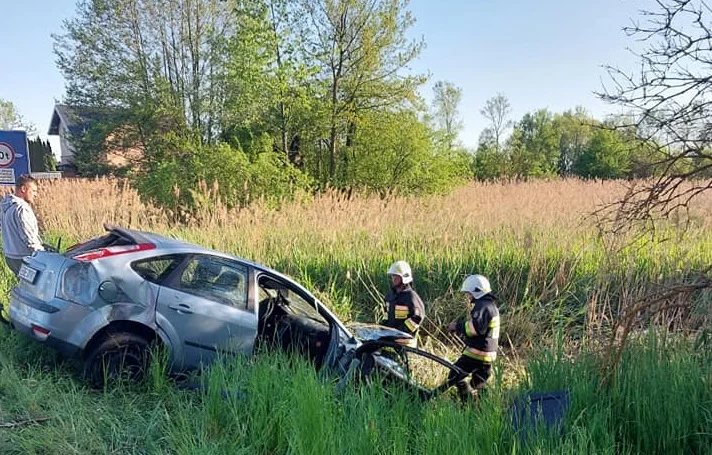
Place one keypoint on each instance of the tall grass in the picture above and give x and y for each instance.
(536, 241)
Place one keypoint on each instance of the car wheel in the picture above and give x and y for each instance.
(120, 356)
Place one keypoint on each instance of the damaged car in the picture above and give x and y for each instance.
(108, 301)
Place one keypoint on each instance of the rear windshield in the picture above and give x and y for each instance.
(111, 239)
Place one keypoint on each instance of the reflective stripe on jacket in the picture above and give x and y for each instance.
(481, 330)
(405, 310)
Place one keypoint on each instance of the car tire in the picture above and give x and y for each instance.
(119, 356)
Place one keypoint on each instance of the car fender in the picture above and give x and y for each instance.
(105, 315)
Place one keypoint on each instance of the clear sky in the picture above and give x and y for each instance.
(538, 53)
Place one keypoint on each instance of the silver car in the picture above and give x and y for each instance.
(109, 300)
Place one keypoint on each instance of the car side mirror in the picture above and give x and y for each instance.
(108, 291)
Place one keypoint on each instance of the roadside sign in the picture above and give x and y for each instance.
(14, 156)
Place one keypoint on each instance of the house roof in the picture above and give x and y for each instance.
(76, 118)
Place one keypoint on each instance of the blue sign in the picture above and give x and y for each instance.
(14, 156)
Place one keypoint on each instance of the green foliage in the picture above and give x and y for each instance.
(184, 174)
(90, 149)
(568, 144)
(310, 79)
(395, 151)
(574, 129)
(446, 107)
(604, 157)
(488, 163)
(41, 156)
(534, 146)
(11, 119)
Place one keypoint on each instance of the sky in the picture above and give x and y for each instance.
(538, 53)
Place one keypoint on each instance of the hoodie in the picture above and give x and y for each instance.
(20, 234)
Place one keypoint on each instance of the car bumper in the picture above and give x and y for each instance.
(32, 319)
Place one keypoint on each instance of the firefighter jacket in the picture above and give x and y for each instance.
(405, 310)
(481, 330)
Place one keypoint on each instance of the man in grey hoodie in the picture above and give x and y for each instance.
(20, 234)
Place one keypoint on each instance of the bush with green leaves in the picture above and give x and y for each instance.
(395, 151)
(183, 174)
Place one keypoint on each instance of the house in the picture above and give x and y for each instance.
(71, 123)
(68, 123)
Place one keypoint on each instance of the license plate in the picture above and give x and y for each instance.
(27, 273)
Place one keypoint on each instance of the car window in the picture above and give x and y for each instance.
(215, 279)
(296, 303)
(156, 269)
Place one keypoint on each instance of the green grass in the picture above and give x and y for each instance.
(660, 402)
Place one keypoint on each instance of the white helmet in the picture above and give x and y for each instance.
(402, 269)
(476, 285)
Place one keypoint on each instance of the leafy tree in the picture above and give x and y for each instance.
(290, 85)
(10, 119)
(397, 153)
(534, 146)
(497, 110)
(41, 156)
(362, 51)
(604, 157)
(488, 163)
(148, 57)
(574, 129)
(446, 108)
(185, 175)
(269, 79)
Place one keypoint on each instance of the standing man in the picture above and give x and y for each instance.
(404, 306)
(20, 233)
(480, 331)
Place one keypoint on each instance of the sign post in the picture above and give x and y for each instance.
(14, 156)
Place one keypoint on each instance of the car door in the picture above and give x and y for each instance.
(206, 303)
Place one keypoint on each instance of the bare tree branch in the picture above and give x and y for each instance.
(670, 103)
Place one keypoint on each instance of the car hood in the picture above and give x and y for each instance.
(373, 332)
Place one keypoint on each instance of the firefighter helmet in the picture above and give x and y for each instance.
(476, 285)
(402, 269)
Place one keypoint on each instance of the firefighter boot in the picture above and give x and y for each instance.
(466, 393)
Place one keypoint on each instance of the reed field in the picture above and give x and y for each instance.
(562, 284)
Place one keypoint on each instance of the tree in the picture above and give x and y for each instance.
(605, 156)
(10, 119)
(159, 61)
(574, 129)
(497, 110)
(362, 52)
(670, 100)
(397, 152)
(488, 163)
(304, 79)
(446, 108)
(269, 79)
(41, 156)
(534, 146)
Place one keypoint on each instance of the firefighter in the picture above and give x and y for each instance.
(404, 307)
(480, 330)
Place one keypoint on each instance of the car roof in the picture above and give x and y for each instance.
(163, 242)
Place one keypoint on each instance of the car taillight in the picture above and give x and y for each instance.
(113, 251)
(40, 332)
